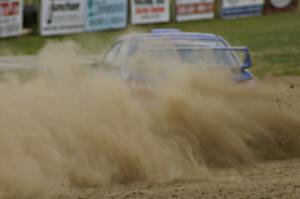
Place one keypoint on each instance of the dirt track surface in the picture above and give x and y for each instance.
(49, 146)
(269, 180)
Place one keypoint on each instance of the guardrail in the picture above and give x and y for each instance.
(10, 63)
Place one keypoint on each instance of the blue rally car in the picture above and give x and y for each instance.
(136, 56)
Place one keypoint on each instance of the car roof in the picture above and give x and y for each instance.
(171, 33)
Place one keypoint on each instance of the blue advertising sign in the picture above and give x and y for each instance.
(241, 8)
(106, 14)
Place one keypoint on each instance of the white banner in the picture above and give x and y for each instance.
(240, 8)
(11, 17)
(280, 4)
(62, 16)
(187, 10)
(150, 11)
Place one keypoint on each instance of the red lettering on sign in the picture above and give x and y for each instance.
(9, 8)
(150, 10)
(141, 10)
(158, 9)
(195, 8)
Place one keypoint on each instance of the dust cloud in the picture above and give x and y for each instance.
(73, 126)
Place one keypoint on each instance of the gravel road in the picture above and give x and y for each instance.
(280, 179)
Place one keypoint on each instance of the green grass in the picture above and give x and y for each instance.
(274, 40)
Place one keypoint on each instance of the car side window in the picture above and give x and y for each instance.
(118, 55)
(122, 54)
(111, 55)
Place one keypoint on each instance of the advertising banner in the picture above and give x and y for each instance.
(187, 10)
(62, 16)
(11, 17)
(273, 6)
(106, 14)
(150, 11)
(241, 8)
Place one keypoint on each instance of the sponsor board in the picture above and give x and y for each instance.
(62, 16)
(241, 8)
(150, 11)
(106, 14)
(11, 17)
(187, 10)
(272, 6)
